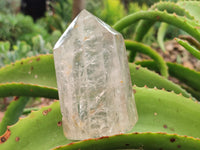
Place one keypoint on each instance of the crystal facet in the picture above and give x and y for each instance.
(93, 80)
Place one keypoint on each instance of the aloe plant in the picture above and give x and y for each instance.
(168, 113)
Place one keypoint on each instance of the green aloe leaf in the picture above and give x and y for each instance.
(41, 130)
(143, 77)
(193, 92)
(186, 75)
(139, 47)
(183, 23)
(192, 7)
(169, 7)
(191, 40)
(25, 89)
(172, 7)
(139, 141)
(189, 48)
(13, 112)
(161, 34)
(45, 83)
(34, 70)
(171, 119)
(29, 110)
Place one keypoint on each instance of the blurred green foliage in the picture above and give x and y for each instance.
(9, 6)
(20, 36)
(10, 53)
(19, 27)
(58, 15)
(52, 23)
(62, 8)
(110, 11)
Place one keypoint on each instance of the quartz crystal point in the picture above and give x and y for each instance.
(93, 79)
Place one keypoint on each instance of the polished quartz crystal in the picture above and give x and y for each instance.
(93, 80)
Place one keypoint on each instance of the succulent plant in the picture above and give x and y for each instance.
(168, 112)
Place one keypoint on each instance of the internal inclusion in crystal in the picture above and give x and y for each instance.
(93, 80)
